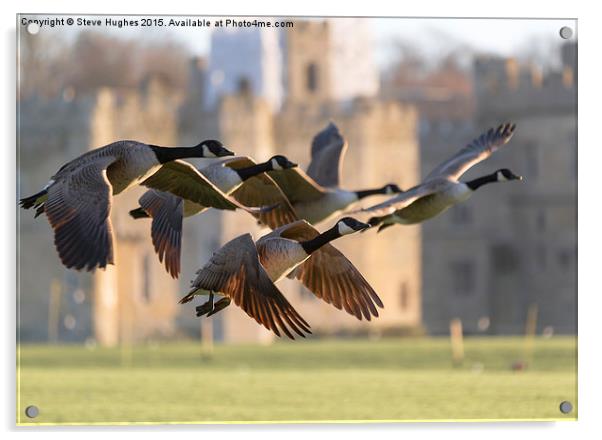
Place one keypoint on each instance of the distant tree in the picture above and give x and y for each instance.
(49, 64)
(413, 70)
(40, 60)
(101, 60)
(542, 51)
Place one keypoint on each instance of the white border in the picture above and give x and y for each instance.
(589, 158)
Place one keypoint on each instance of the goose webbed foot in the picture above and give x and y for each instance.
(220, 305)
(205, 308)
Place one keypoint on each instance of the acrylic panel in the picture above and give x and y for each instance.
(420, 177)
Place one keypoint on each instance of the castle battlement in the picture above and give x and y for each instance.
(504, 85)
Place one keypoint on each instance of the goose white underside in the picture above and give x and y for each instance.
(280, 256)
(225, 178)
(332, 204)
(430, 206)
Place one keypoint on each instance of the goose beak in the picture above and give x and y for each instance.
(364, 226)
(225, 152)
(293, 164)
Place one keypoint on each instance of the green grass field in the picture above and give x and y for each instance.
(390, 379)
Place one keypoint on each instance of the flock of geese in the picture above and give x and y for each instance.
(77, 203)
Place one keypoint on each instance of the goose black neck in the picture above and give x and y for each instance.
(370, 192)
(248, 172)
(168, 154)
(310, 246)
(480, 181)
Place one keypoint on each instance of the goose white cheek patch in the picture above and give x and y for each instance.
(344, 229)
(207, 152)
(276, 165)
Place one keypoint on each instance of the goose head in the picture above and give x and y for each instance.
(391, 188)
(212, 148)
(349, 225)
(504, 174)
(279, 162)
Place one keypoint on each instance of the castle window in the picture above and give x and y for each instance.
(463, 277)
(541, 220)
(504, 258)
(461, 215)
(542, 257)
(565, 258)
(146, 282)
(312, 77)
(404, 296)
(244, 85)
(532, 162)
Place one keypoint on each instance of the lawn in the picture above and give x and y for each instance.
(389, 379)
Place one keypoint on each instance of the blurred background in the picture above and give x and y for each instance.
(406, 94)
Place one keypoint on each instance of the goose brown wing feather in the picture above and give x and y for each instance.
(329, 275)
(262, 190)
(78, 207)
(297, 186)
(167, 212)
(235, 271)
(183, 180)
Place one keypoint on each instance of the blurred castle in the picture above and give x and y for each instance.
(266, 91)
(132, 299)
(271, 94)
(264, 107)
(515, 245)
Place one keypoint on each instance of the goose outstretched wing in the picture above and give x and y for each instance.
(78, 207)
(297, 186)
(184, 180)
(329, 275)
(167, 212)
(406, 198)
(328, 150)
(476, 151)
(262, 190)
(235, 271)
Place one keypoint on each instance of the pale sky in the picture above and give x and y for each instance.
(432, 35)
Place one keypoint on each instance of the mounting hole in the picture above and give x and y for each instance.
(566, 407)
(33, 28)
(566, 32)
(32, 411)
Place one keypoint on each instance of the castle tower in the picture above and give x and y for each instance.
(308, 52)
(245, 59)
(135, 298)
(323, 81)
(329, 61)
(246, 124)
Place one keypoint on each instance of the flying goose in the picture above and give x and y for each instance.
(77, 199)
(246, 272)
(317, 195)
(441, 189)
(240, 177)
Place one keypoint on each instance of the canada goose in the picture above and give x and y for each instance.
(77, 199)
(239, 177)
(247, 272)
(316, 196)
(441, 189)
